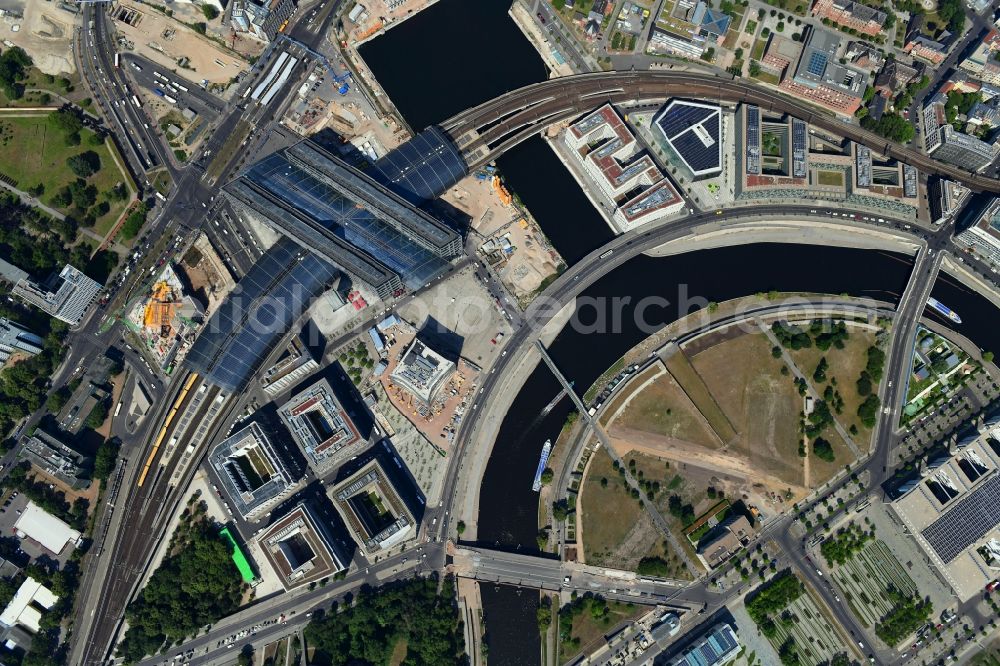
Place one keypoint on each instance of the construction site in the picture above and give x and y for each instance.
(438, 411)
(166, 322)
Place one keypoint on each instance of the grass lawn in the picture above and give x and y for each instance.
(591, 632)
(758, 49)
(36, 79)
(767, 77)
(830, 178)
(846, 365)
(751, 28)
(607, 514)
(398, 653)
(663, 408)
(988, 657)
(36, 153)
(696, 389)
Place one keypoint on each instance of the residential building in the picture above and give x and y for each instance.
(322, 427)
(622, 169)
(296, 363)
(926, 49)
(984, 61)
(421, 372)
(894, 76)
(262, 18)
(56, 459)
(693, 133)
(373, 509)
(16, 339)
(964, 150)
(849, 14)
(253, 471)
(66, 296)
(300, 549)
(819, 77)
(985, 112)
(864, 56)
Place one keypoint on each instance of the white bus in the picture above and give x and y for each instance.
(135, 100)
(117, 60)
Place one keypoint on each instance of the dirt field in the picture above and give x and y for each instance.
(701, 394)
(208, 276)
(164, 41)
(46, 34)
(762, 403)
(661, 408)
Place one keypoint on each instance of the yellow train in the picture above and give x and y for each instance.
(166, 426)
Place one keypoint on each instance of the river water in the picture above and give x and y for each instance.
(457, 54)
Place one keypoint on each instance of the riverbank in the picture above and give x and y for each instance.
(803, 232)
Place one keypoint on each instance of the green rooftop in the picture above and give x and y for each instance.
(241, 561)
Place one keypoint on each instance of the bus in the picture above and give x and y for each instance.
(135, 100)
(117, 60)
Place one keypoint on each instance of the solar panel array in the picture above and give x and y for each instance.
(966, 522)
(257, 313)
(753, 140)
(693, 131)
(817, 64)
(799, 147)
(423, 168)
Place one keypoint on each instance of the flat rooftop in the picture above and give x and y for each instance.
(373, 509)
(954, 509)
(252, 471)
(422, 371)
(300, 548)
(321, 427)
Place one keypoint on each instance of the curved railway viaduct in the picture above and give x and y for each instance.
(485, 131)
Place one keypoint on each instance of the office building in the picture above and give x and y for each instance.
(252, 471)
(983, 62)
(14, 339)
(718, 646)
(295, 364)
(726, 539)
(693, 132)
(262, 18)
(300, 549)
(954, 512)
(982, 237)
(421, 371)
(321, 427)
(849, 14)
(373, 510)
(66, 296)
(346, 217)
(963, 150)
(56, 459)
(25, 609)
(46, 530)
(819, 77)
(621, 168)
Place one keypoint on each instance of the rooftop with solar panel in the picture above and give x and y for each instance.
(693, 132)
(953, 509)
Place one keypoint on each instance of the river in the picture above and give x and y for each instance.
(457, 54)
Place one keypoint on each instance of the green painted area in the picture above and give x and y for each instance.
(239, 559)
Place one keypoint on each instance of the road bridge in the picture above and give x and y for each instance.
(487, 130)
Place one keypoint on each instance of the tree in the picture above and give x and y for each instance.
(460, 527)
(135, 220)
(14, 63)
(547, 475)
(98, 415)
(987, 357)
(210, 12)
(868, 410)
(106, 459)
(85, 164)
(823, 450)
(199, 27)
(66, 121)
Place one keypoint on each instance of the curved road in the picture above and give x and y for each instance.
(497, 125)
